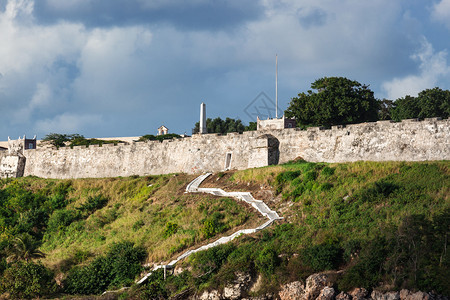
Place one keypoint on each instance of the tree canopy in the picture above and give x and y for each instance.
(428, 104)
(61, 140)
(337, 100)
(218, 125)
(151, 137)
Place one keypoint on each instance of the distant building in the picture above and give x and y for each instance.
(163, 130)
(281, 123)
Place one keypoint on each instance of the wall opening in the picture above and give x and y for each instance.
(228, 161)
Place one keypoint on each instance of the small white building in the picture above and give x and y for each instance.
(275, 123)
(162, 130)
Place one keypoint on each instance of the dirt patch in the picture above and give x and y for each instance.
(222, 180)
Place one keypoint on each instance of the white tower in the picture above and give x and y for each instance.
(202, 128)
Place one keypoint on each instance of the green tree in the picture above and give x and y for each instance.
(151, 137)
(59, 140)
(385, 109)
(24, 247)
(218, 125)
(405, 108)
(27, 280)
(337, 100)
(251, 126)
(118, 267)
(428, 104)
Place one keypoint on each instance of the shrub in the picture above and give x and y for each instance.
(267, 260)
(326, 256)
(310, 176)
(211, 259)
(368, 269)
(119, 267)
(62, 218)
(285, 177)
(93, 203)
(171, 228)
(213, 225)
(325, 186)
(58, 199)
(137, 225)
(27, 280)
(155, 288)
(327, 171)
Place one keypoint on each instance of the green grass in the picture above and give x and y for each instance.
(90, 215)
(363, 217)
(384, 223)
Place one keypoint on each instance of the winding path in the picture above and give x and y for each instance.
(194, 187)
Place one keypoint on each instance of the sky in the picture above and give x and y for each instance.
(114, 68)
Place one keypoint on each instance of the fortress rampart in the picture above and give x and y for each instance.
(409, 140)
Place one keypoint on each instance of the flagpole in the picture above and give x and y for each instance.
(276, 86)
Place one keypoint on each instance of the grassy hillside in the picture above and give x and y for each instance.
(385, 224)
(76, 221)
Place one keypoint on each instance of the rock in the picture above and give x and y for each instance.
(408, 295)
(263, 297)
(210, 295)
(326, 294)
(343, 296)
(311, 290)
(257, 285)
(316, 282)
(239, 285)
(359, 293)
(292, 291)
(377, 295)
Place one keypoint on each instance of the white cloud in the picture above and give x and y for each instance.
(441, 12)
(113, 67)
(41, 98)
(69, 123)
(432, 67)
(14, 8)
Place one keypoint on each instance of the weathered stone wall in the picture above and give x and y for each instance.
(191, 155)
(379, 141)
(11, 165)
(409, 140)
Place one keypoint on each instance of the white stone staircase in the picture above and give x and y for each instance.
(194, 187)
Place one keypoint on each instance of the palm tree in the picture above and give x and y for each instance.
(24, 247)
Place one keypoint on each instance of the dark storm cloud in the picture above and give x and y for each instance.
(199, 15)
(311, 17)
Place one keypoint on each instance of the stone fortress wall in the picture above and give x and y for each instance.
(409, 140)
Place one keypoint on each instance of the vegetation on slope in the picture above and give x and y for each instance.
(385, 224)
(85, 226)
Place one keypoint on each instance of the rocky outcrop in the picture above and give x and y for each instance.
(343, 296)
(376, 295)
(320, 286)
(237, 287)
(327, 293)
(317, 285)
(408, 295)
(210, 295)
(359, 293)
(292, 291)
